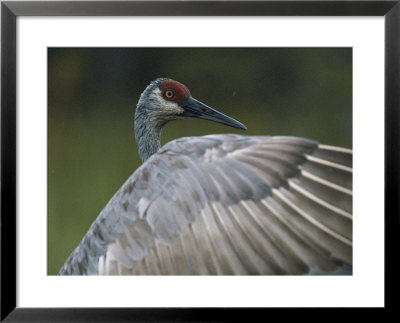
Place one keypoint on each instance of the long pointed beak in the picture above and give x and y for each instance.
(196, 109)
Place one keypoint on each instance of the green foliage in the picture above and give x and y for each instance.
(304, 92)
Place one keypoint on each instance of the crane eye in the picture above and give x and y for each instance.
(169, 94)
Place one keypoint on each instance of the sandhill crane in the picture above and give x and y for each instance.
(221, 204)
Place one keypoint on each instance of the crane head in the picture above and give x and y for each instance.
(170, 100)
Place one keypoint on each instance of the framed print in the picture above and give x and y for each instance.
(72, 75)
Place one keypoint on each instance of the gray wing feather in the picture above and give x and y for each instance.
(226, 204)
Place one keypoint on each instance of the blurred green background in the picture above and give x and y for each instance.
(92, 94)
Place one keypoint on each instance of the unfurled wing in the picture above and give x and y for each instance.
(226, 204)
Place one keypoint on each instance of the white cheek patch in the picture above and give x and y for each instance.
(172, 108)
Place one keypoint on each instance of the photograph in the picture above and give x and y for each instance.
(211, 153)
(200, 161)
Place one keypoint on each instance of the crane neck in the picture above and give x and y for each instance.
(147, 133)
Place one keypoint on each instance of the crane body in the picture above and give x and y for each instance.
(221, 204)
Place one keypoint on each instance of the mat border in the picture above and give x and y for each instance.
(11, 10)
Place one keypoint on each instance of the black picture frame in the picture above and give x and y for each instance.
(11, 10)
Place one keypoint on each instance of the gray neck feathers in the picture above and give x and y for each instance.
(147, 134)
(148, 125)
